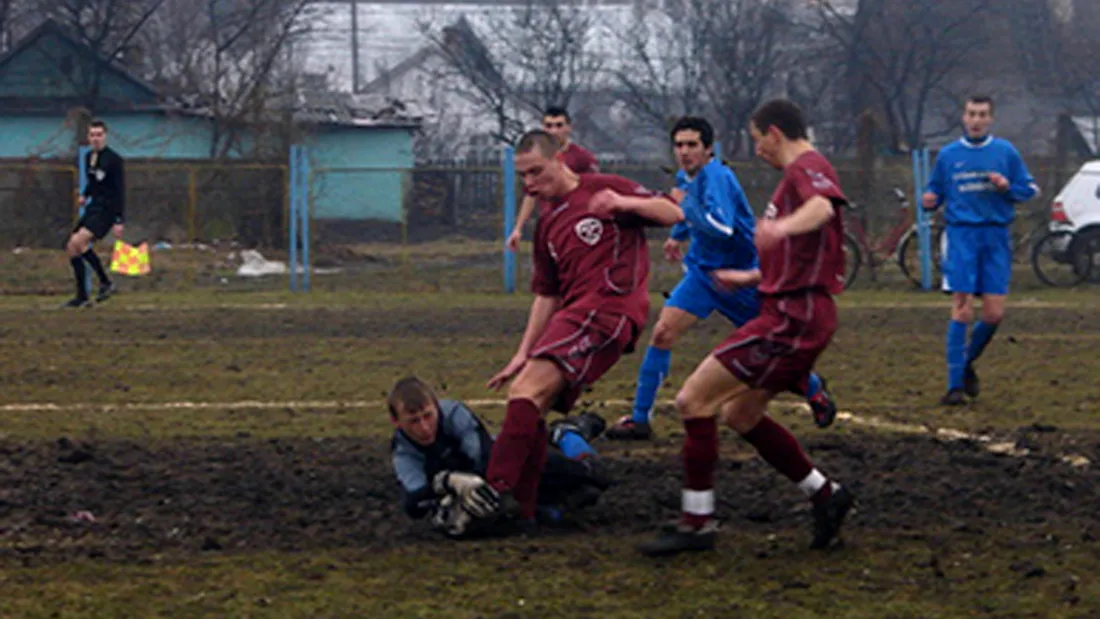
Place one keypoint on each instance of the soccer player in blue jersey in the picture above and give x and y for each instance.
(720, 224)
(979, 179)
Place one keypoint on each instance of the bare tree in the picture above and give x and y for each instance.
(901, 54)
(230, 59)
(444, 134)
(472, 73)
(718, 59)
(14, 15)
(550, 45)
(664, 60)
(746, 56)
(109, 27)
(1057, 50)
(541, 54)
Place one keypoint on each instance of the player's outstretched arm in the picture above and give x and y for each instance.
(657, 209)
(542, 309)
(737, 278)
(815, 213)
(526, 208)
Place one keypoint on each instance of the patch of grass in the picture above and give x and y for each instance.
(879, 575)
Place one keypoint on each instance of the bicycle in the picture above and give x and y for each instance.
(1072, 257)
(1029, 229)
(901, 243)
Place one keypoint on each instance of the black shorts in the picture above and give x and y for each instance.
(97, 221)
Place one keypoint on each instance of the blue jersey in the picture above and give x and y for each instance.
(718, 219)
(961, 181)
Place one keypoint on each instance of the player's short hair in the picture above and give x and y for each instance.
(546, 144)
(98, 124)
(697, 124)
(409, 394)
(557, 110)
(783, 114)
(981, 99)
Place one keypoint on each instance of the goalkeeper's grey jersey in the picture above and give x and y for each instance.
(461, 444)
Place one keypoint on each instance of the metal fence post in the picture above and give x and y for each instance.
(292, 170)
(509, 164)
(82, 168)
(920, 182)
(306, 178)
(192, 204)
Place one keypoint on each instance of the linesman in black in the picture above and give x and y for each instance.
(104, 202)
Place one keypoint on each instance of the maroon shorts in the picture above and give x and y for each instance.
(585, 345)
(777, 349)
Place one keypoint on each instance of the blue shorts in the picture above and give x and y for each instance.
(977, 259)
(698, 296)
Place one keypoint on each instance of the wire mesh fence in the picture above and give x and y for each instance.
(422, 225)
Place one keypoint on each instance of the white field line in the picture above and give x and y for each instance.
(216, 341)
(945, 434)
(167, 307)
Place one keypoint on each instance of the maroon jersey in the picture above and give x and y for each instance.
(579, 160)
(593, 262)
(814, 259)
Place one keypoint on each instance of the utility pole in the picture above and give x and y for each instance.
(354, 46)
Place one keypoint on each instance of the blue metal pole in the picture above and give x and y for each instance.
(718, 150)
(293, 223)
(82, 170)
(930, 250)
(306, 175)
(920, 180)
(509, 164)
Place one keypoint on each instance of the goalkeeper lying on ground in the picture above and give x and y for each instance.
(441, 450)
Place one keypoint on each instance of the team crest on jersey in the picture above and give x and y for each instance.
(771, 212)
(100, 175)
(819, 180)
(589, 230)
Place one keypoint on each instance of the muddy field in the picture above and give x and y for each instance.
(111, 500)
(236, 494)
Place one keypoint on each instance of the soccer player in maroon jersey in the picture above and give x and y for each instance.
(591, 276)
(801, 268)
(556, 122)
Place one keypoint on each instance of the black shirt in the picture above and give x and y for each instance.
(106, 183)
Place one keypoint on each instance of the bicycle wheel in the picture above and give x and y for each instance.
(853, 258)
(1087, 242)
(909, 254)
(1059, 261)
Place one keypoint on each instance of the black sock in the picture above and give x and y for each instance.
(97, 266)
(79, 273)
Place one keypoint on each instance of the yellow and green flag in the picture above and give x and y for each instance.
(130, 260)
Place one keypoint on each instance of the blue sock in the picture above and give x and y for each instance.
(653, 372)
(574, 446)
(815, 386)
(979, 339)
(956, 353)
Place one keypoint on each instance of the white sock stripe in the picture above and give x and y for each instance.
(814, 481)
(698, 502)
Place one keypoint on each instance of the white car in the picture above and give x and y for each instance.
(1073, 239)
(1077, 206)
